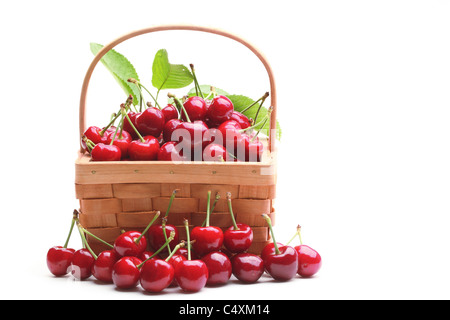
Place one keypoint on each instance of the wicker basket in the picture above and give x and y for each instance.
(124, 195)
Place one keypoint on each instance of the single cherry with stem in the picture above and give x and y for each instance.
(282, 264)
(191, 275)
(133, 243)
(158, 274)
(220, 110)
(195, 108)
(247, 267)
(158, 234)
(83, 259)
(238, 237)
(309, 260)
(59, 258)
(207, 238)
(170, 112)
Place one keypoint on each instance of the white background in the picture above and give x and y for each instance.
(363, 166)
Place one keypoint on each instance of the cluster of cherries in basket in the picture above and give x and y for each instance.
(208, 258)
(195, 129)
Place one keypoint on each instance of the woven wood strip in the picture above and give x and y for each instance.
(93, 191)
(100, 206)
(136, 190)
(98, 220)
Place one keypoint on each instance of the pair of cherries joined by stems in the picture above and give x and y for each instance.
(196, 129)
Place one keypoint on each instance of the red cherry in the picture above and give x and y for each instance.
(215, 152)
(103, 265)
(146, 150)
(126, 244)
(248, 150)
(81, 265)
(122, 142)
(194, 132)
(150, 122)
(191, 275)
(309, 261)
(94, 134)
(156, 237)
(219, 268)
(126, 124)
(169, 128)
(238, 240)
(195, 108)
(220, 110)
(282, 264)
(238, 237)
(106, 152)
(170, 112)
(126, 273)
(156, 275)
(231, 135)
(171, 151)
(247, 267)
(59, 260)
(174, 261)
(240, 118)
(269, 249)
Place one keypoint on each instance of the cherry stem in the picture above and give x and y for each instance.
(230, 208)
(74, 219)
(259, 130)
(109, 124)
(213, 206)
(171, 237)
(85, 243)
(260, 105)
(269, 222)
(131, 124)
(251, 105)
(148, 227)
(163, 225)
(178, 246)
(188, 236)
(89, 144)
(198, 90)
(117, 130)
(208, 208)
(261, 123)
(180, 106)
(140, 85)
(97, 238)
(174, 192)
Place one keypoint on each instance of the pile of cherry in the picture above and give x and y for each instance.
(194, 129)
(208, 257)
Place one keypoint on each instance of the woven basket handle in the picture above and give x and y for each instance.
(106, 48)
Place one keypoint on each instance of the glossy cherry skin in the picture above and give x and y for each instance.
(248, 150)
(150, 122)
(191, 275)
(125, 244)
(174, 261)
(247, 267)
(169, 128)
(309, 261)
(220, 110)
(240, 240)
(230, 134)
(240, 118)
(193, 132)
(144, 151)
(170, 112)
(59, 260)
(282, 266)
(171, 151)
(156, 237)
(269, 249)
(219, 268)
(103, 265)
(126, 124)
(122, 142)
(215, 152)
(156, 275)
(106, 152)
(93, 133)
(81, 265)
(207, 239)
(195, 108)
(125, 272)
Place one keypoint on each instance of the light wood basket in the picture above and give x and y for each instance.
(125, 195)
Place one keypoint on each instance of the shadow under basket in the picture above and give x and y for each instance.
(120, 196)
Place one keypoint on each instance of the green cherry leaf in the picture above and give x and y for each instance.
(167, 75)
